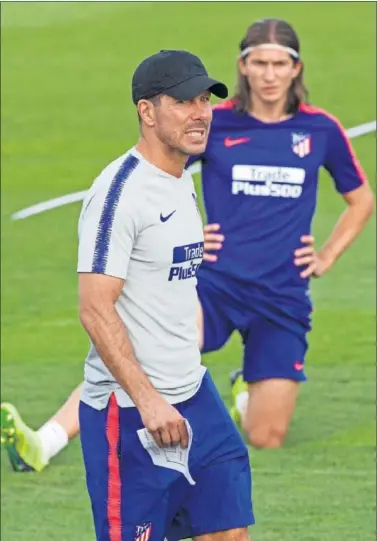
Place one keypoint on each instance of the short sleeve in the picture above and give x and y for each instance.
(108, 229)
(341, 161)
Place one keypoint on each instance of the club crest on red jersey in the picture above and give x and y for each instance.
(301, 144)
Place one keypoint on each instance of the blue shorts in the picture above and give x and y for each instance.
(274, 347)
(131, 497)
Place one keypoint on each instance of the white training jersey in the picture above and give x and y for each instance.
(141, 224)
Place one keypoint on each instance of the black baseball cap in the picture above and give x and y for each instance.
(178, 74)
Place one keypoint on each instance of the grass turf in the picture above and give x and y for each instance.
(66, 112)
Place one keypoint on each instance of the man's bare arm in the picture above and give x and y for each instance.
(98, 295)
(360, 206)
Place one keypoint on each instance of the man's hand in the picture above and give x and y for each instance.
(316, 264)
(212, 241)
(165, 423)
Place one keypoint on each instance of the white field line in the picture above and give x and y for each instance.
(48, 205)
(57, 202)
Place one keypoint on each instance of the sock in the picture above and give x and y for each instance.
(53, 438)
(241, 402)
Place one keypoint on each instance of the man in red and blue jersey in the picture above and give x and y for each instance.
(260, 179)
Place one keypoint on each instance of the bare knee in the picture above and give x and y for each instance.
(270, 408)
(240, 534)
(266, 437)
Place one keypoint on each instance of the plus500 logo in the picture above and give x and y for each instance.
(186, 261)
(267, 181)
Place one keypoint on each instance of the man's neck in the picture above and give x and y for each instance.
(269, 112)
(161, 157)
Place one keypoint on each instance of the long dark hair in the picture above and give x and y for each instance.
(271, 31)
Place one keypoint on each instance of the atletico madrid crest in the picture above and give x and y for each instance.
(301, 144)
(143, 532)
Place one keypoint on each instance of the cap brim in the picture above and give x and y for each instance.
(192, 88)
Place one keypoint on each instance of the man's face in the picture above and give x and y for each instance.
(184, 125)
(269, 73)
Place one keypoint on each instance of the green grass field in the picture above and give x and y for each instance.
(66, 112)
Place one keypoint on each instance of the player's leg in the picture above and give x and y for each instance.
(269, 412)
(68, 415)
(130, 496)
(31, 450)
(273, 368)
(220, 500)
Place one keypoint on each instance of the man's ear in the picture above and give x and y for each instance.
(241, 66)
(297, 69)
(147, 112)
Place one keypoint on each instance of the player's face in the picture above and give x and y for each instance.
(270, 73)
(184, 125)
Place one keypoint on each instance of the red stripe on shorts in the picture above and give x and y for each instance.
(114, 483)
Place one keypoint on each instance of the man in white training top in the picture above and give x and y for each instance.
(163, 458)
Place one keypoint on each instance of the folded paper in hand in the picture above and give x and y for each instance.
(175, 458)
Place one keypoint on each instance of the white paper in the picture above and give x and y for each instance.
(174, 458)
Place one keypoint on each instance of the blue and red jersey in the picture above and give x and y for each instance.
(260, 184)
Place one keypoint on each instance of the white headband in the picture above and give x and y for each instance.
(288, 50)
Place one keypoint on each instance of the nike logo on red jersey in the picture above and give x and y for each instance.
(229, 142)
(298, 366)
